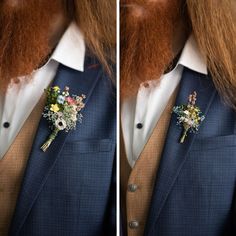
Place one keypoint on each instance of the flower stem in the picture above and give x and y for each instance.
(50, 139)
(184, 135)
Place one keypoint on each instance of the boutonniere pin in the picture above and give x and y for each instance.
(189, 116)
(62, 111)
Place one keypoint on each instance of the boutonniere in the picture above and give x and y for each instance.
(62, 111)
(189, 116)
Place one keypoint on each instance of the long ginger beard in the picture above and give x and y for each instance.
(24, 37)
(147, 29)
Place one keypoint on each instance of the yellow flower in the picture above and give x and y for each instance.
(56, 88)
(54, 108)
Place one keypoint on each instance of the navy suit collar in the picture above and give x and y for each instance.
(40, 164)
(174, 154)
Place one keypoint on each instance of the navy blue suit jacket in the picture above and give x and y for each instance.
(194, 194)
(70, 189)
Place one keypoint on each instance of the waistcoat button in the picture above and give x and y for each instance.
(132, 187)
(134, 224)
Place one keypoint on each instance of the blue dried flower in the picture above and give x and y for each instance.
(60, 99)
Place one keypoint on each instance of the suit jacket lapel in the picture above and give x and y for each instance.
(174, 154)
(40, 164)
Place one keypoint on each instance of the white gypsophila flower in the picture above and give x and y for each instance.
(186, 112)
(74, 108)
(59, 114)
(79, 117)
(74, 117)
(186, 120)
(80, 106)
(190, 123)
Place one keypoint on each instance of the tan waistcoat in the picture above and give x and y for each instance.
(137, 183)
(12, 167)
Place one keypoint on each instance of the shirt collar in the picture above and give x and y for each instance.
(70, 50)
(192, 58)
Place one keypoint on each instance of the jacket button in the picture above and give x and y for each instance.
(132, 187)
(134, 224)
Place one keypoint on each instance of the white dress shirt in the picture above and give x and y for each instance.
(140, 114)
(20, 99)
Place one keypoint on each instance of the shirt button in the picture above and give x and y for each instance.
(146, 85)
(134, 224)
(6, 124)
(132, 187)
(139, 126)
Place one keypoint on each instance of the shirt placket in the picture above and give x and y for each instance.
(139, 121)
(8, 108)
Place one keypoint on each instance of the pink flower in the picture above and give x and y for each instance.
(70, 100)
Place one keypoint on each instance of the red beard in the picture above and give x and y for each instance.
(24, 36)
(146, 41)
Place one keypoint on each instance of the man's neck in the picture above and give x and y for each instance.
(57, 30)
(58, 27)
(181, 34)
